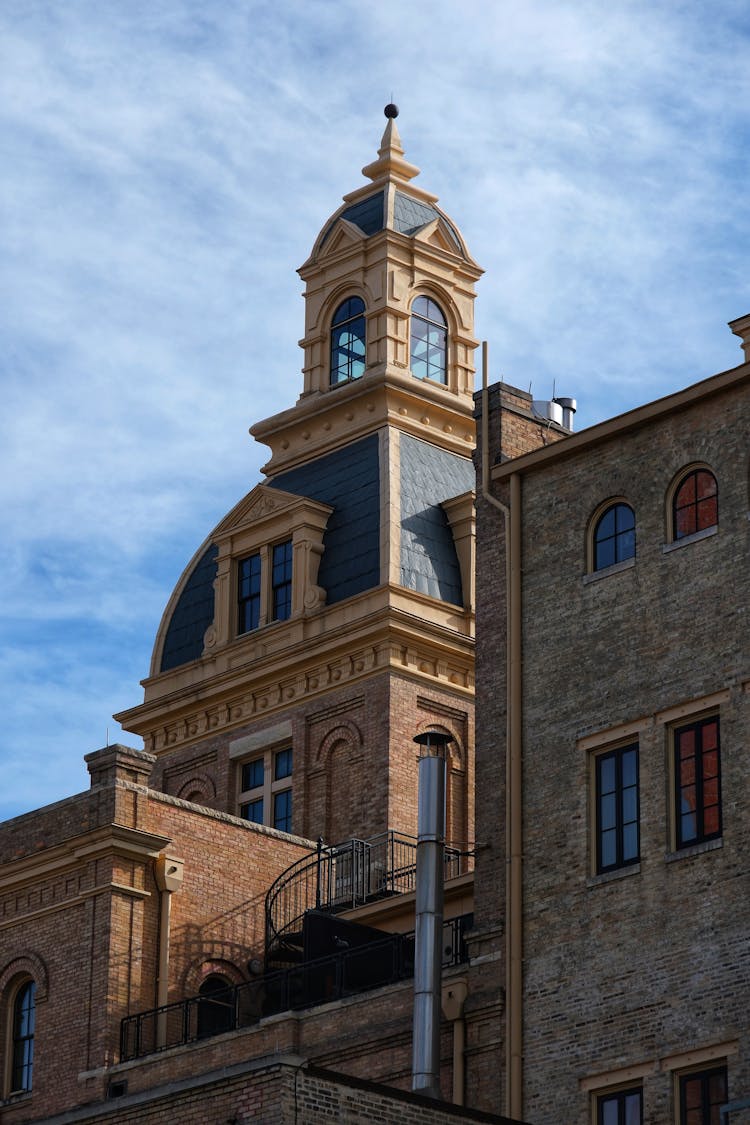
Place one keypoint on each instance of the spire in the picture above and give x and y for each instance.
(390, 164)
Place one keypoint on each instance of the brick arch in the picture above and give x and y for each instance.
(456, 749)
(200, 789)
(28, 964)
(457, 819)
(345, 732)
(203, 967)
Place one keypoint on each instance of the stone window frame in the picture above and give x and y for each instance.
(266, 747)
(704, 1072)
(273, 517)
(597, 516)
(621, 866)
(618, 1092)
(672, 539)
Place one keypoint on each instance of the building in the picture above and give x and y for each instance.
(240, 896)
(613, 724)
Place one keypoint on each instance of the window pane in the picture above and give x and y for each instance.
(282, 811)
(249, 593)
(629, 767)
(607, 774)
(252, 775)
(282, 764)
(633, 1109)
(629, 805)
(705, 484)
(609, 848)
(610, 1112)
(348, 335)
(253, 811)
(605, 529)
(630, 842)
(605, 553)
(608, 811)
(281, 581)
(625, 545)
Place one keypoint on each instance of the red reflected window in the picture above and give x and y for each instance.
(697, 782)
(696, 503)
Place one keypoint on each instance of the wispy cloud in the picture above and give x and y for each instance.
(166, 168)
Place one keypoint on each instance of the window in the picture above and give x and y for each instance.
(625, 1107)
(429, 337)
(24, 1018)
(695, 506)
(614, 536)
(701, 1096)
(697, 776)
(348, 341)
(257, 590)
(249, 593)
(617, 834)
(281, 581)
(266, 790)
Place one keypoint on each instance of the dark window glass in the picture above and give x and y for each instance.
(696, 503)
(282, 810)
(429, 341)
(253, 810)
(702, 1095)
(252, 775)
(24, 1018)
(282, 764)
(697, 771)
(249, 593)
(614, 536)
(348, 341)
(215, 1007)
(281, 581)
(617, 835)
(622, 1108)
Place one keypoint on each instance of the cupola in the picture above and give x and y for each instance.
(389, 320)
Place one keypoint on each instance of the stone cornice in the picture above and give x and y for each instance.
(111, 839)
(255, 681)
(324, 421)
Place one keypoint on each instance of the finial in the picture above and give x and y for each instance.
(391, 110)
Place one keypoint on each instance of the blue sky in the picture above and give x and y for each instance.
(166, 167)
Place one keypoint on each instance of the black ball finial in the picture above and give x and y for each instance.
(391, 110)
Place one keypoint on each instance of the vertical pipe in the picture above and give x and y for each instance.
(168, 874)
(429, 910)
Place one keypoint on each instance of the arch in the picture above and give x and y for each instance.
(199, 970)
(215, 1006)
(199, 790)
(611, 534)
(345, 732)
(28, 964)
(428, 340)
(348, 341)
(692, 502)
(23, 983)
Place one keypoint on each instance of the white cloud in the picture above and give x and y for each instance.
(166, 168)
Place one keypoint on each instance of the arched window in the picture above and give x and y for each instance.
(215, 1006)
(23, 1019)
(695, 505)
(348, 341)
(429, 341)
(614, 536)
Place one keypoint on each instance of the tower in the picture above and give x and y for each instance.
(328, 618)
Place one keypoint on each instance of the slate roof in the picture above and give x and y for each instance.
(192, 615)
(429, 475)
(409, 215)
(349, 480)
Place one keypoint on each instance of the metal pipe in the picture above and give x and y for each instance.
(429, 913)
(513, 768)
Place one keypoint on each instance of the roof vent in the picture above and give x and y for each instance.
(569, 407)
(548, 411)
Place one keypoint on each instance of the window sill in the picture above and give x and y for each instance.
(694, 849)
(615, 568)
(706, 533)
(612, 876)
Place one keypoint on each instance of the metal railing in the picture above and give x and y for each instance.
(303, 986)
(343, 876)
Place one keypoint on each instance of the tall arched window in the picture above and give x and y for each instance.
(348, 341)
(24, 1013)
(614, 536)
(695, 506)
(429, 341)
